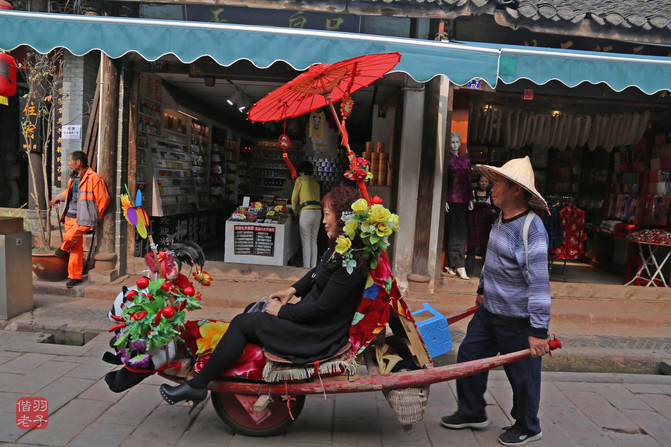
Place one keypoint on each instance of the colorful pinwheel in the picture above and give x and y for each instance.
(135, 215)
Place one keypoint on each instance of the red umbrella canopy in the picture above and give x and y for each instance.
(321, 85)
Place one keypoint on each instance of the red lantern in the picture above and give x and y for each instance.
(5, 5)
(7, 77)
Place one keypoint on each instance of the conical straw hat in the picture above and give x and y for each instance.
(518, 170)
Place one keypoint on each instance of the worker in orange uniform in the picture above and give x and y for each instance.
(85, 202)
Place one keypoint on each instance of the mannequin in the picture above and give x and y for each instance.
(459, 200)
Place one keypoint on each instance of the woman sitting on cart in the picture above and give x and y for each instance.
(314, 328)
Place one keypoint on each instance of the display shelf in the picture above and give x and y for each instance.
(263, 170)
(199, 150)
(164, 163)
(218, 165)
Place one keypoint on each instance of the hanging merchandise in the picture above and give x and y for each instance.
(285, 143)
(7, 77)
(573, 223)
(317, 124)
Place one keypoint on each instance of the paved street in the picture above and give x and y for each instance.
(578, 409)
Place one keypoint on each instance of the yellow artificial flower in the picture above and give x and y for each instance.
(382, 229)
(379, 213)
(392, 222)
(211, 334)
(350, 228)
(360, 206)
(343, 243)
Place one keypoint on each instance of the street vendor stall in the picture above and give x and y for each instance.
(259, 235)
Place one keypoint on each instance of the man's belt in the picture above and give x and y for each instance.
(310, 202)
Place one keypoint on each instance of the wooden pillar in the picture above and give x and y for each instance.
(106, 259)
(427, 165)
(132, 156)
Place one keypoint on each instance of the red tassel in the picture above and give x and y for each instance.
(555, 343)
(291, 166)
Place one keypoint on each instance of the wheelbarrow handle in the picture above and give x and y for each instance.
(461, 315)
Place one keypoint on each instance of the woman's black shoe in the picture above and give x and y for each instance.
(179, 393)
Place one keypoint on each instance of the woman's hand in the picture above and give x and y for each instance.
(283, 295)
(273, 307)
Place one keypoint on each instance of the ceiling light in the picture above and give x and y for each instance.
(229, 101)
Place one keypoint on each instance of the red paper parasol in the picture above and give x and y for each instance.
(325, 84)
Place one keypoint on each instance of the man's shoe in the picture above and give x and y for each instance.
(60, 253)
(456, 421)
(73, 282)
(517, 436)
(179, 393)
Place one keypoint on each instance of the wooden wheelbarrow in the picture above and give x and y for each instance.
(259, 408)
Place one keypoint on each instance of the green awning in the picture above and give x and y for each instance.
(650, 74)
(227, 43)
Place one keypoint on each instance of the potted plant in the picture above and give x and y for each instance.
(43, 73)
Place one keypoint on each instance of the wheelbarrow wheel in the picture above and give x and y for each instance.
(231, 411)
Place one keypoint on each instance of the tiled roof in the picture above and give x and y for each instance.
(643, 14)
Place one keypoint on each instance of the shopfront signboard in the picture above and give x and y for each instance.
(243, 239)
(264, 241)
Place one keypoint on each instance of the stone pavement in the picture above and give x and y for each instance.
(577, 409)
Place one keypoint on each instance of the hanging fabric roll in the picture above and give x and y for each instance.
(632, 128)
(499, 126)
(594, 133)
(516, 129)
(642, 125)
(507, 135)
(574, 133)
(492, 122)
(606, 125)
(567, 121)
(584, 131)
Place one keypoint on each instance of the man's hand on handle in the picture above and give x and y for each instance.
(479, 299)
(55, 201)
(538, 346)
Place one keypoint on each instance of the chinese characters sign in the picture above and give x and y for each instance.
(285, 18)
(30, 123)
(254, 240)
(32, 413)
(150, 86)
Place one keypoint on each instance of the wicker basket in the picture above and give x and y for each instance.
(408, 404)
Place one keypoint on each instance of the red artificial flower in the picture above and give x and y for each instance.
(377, 200)
(203, 277)
(362, 161)
(359, 174)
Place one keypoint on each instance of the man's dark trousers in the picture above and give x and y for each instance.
(484, 339)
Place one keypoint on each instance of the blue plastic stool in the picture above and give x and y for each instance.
(435, 331)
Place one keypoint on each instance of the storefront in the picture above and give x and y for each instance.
(601, 160)
(238, 162)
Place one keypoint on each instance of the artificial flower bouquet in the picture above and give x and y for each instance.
(151, 315)
(373, 224)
